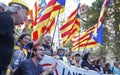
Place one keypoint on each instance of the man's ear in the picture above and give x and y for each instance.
(17, 9)
(34, 52)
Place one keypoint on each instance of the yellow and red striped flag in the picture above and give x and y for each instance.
(84, 41)
(50, 26)
(101, 17)
(46, 22)
(58, 8)
(34, 14)
(70, 27)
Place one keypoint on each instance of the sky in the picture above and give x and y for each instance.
(31, 2)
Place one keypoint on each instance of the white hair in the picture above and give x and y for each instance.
(12, 8)
(3, 5)
(47, 35)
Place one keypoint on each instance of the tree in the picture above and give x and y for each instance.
(93, 13)
(116, 16)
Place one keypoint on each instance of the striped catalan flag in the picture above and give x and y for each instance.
(47, 20)
(43, 5)
(50, 26)
(70, 27)
(34, 14)
(84, 41)
(101, 17)
(58, 8)
(44, 21)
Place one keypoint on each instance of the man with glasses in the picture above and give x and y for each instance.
(31, 66)
(13, 15)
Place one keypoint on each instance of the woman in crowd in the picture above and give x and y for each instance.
(107, 69)
(86, 64)
(21, 51)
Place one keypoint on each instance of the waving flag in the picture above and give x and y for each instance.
(58, 7)
(71, 26)
(84, 41)
(99, 37)
(43, 22)
(101, 17)
(34, 14)
(43, 5)
(46, 22)
(50, 26)
(102, 14)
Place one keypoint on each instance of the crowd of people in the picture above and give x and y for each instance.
(22, 57)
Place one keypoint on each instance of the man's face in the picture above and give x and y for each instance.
(40, 52)
(77, 58)
(61, 52)
(48, 39)
(21, 16)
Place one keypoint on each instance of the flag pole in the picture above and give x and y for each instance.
(58, 36)
(85, 47)
(55, 27)
(79, 33)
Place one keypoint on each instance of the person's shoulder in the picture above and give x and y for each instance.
(27, 61)
(5, 17)
(43, 45)
(4, 14)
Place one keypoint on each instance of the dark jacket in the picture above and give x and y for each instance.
(27, 67)
(87, 64)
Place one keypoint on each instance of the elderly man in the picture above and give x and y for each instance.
(2, 6)
(47, 44)
(15, 14)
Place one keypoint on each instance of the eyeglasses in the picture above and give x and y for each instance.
(40, 49)
(27, 38)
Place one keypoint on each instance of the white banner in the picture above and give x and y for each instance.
(64, 69)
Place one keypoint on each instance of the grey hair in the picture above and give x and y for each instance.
(12, 8)
(3, 5)
(46, 35)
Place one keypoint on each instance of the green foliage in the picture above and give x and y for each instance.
(116, 16)
(112, 35)
(93, 13)
(100, 52)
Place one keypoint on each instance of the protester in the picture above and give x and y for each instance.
(31, 66)
(69, 58)
(15, 14)
(86, 64)
(2, 6)
(76, 61)
(107, 69)
(61, 54)
(99, 65)
(94, 62)
(47, 44)
(21, 52)
(115, 68)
